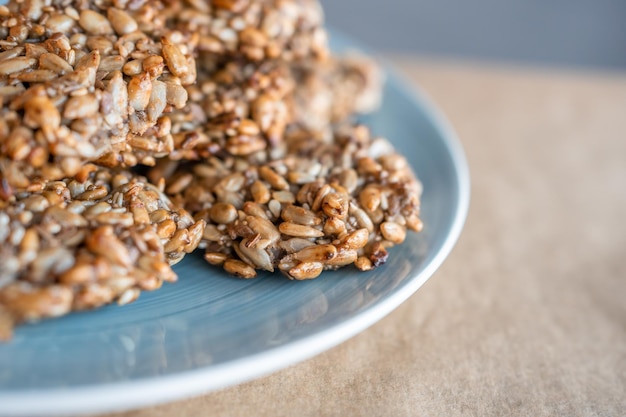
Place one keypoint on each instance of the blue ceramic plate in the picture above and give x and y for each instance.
(210, 330)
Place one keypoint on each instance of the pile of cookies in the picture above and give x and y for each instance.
(133, 132)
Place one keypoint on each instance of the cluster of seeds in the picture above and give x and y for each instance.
(258, 30)
(241, 107)
(331, 201)
(237, 108)
(237, 114)
(333, 90)
(77, 244)
(79, 80)
(84, 81)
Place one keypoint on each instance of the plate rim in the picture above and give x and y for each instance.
(158, 390)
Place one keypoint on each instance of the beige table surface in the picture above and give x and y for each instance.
(527, 317)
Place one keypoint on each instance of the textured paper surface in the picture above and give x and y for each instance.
(527, 317)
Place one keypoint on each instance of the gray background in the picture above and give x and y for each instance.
(572, 33)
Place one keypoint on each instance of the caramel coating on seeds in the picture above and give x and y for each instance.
(235, 104)
(333, 219)
(72, 245)
(73, 90)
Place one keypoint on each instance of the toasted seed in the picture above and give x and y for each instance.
(393, 232)
(223, 213)
(368, 166)
(356, 239)
(254, 37)
(121, 21)
(11, 66)
(103, 242)
(112, 63)
(300, 215)
(101, 44)
(115, 218)
(363, 264)
(195, 232)
(166, 229)
(11, 53)
(295, 244)
(174, 59)
(334, 226)
(179, 183)
(259, 192)
(139, 211)
(243, 145)
(276, 181)
(285, 197)
(37, 76)
(59, 23)
(275, 208)
(239, 268)
(306, 270)
(255, 210)
(141, 143)
(216, 258)
(317, 253)
(81, 107)
(153, 66)
(134, 67)
(259, 257)
(361, 217)
(344, 257)
(177, 242)
(94, 23)
(335, 205)
(157, 101)
(320, 196)
(139, 91)
(349, 180)
(298, 230)
(94, 193)
(176, 95)
(249, 128)
(414, 223)
(369, 198)
(232, 182)
(118, 100)
(79, 274)
(263, 227)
